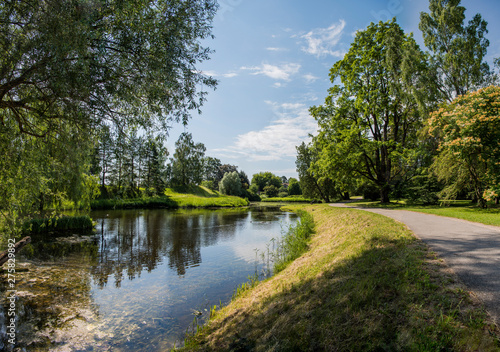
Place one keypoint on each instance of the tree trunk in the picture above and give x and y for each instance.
(4, 256)
(384, 194)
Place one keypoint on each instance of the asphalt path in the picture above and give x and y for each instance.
(470, 249)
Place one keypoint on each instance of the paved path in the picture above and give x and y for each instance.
(472, 250)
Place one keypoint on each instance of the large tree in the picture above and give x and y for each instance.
(130, 62)
(68, 67)
(458, 50)
(369, 123)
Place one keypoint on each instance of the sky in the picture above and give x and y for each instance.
(272, 59)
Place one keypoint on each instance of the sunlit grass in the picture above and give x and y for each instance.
(460, 209)
(365, 284)
(186, 197)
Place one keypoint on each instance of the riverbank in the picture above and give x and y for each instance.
(366, 283)
(192, 197)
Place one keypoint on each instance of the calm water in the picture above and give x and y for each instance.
(140, 282)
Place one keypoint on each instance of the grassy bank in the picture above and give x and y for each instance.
(456, 209)
(365, 284)
(188, 197)
(291, 199)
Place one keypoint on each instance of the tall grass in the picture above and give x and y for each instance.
(294, 242)
(64, 223)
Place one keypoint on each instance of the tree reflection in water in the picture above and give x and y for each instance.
(133, 284)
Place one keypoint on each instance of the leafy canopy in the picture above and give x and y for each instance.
(469, 132)
(86, 61)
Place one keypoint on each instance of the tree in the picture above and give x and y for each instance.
(245, 182)
(294, 187)
(312, 184)
(231, 184)
(153, 173)
(458, 50)
(187, 163)
(263, 179)
(370, 122)
(469, 131)
(130, 62)
(271, 191)
(69, 68)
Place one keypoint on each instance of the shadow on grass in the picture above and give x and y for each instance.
(392, 296)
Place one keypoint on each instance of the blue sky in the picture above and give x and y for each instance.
(272, 59)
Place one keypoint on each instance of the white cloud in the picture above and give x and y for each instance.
(282, 72)
(277, 140)
(216, 74)
(310, 78)
(322, 41)
(276, 49)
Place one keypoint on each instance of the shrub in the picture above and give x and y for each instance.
(231, 184)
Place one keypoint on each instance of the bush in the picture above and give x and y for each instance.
(231, 184)
(271, 191)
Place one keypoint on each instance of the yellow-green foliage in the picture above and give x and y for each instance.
(365, 284)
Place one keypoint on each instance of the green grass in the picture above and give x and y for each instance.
(63, 223)
(461, 209)
(186, 197)
(365, 284)
(292, 199)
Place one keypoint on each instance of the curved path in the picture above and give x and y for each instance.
(470, 249)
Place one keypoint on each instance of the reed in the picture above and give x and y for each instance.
(63, 223)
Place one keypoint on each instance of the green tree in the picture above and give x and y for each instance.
(245, 182)
(294, 187)
(154, 170)
(129, 62)
(312, 184)
(368, 125)
(271, 191)
(231, 184)
(187, 163)
(263, 179)
(469, 131)
(458, 50)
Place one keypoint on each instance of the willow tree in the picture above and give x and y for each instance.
(68, 67)
(368, 123)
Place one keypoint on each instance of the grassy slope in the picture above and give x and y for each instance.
(459, 209)
(191, 197)
(365, 284)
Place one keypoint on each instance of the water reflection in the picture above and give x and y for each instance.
(132, 285)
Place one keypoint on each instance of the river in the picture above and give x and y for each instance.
(140, 281)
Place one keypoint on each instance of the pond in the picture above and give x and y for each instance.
(141, 281)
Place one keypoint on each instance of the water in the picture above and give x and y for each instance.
(141, 281)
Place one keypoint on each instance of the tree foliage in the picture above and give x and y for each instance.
(313, 184)
(368, 125)
(469, 132)
(294, 187)
(231, 184)
(130, 62)
(263, 179)
(458, 49)
(187, 163)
